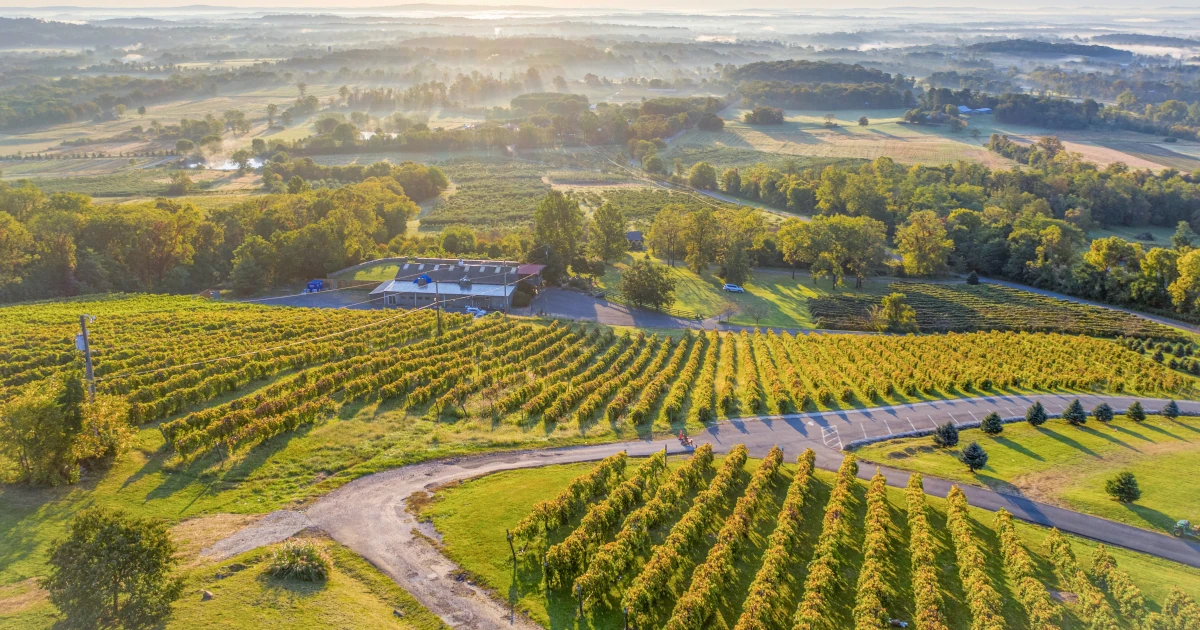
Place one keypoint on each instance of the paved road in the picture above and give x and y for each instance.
(368, 514)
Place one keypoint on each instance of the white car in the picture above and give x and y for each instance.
(733, 288)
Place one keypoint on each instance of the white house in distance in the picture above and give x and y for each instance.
(456, 283)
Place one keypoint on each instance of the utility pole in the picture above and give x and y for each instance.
(437, 305)
(504, 291)
(83, 343)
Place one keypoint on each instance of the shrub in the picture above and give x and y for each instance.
(1170, 410)
(1103, 412)
(1136, 412)
(1123, 487)
(974, 456)
(972, 278)
(992, 424)
(302, 560)
(1074, 413)
(1036, 414)
(946, 435)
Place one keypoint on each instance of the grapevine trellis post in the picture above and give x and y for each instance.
(83, 343)
(579, 594)
(508, 534)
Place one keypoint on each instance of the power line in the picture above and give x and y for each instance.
(309, 340)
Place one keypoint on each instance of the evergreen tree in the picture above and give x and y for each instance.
(973, 277)
(992, 424)
(946, 435)
(974, 456)
(1136, 412)
(1170, 410)
(1074, 413)
(1036, 414)
(1103, 412)
(1123, 487)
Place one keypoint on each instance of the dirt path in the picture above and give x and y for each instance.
(368, 514)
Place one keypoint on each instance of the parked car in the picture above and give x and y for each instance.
(733, 288)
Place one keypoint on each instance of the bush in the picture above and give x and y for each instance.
(946, 435)
(1074, 413)
(1136, 412)
(1123, 487)
(974, 456)
(1170, 410)
(1036, 414)
(302, 560)
(1103, 412)
(973, 278)
(992, 425)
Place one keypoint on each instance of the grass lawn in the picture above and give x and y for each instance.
(1065, 465)
(356, 595)
(783, 300)
(379, 271)
(473, 516)
(1162, 235)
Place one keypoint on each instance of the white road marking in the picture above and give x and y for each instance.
(972, 414)
(910, 423)
(889, 427)
(931, 420)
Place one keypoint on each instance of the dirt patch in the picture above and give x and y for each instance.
(1065, 597)
(194, 534)
(272, 528)
(21, 596)
(1044, 486)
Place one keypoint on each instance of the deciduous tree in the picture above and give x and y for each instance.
(113, 570)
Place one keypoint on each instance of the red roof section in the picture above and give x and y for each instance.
(530, 270)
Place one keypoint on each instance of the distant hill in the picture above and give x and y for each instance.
(804, 71)
(1135, 39)
(1050, 49)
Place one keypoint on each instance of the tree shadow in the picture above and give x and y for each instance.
(1159, 520)
(1158, 429)
(1063, 439)
(1120, 429)
(1017, 447)
(1110, 438)
(289, 590)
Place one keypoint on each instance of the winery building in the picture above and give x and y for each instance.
(456, 284)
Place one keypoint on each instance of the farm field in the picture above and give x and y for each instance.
(964, 307)
(802, 302)
(804, 135)
(773, 519)
(488, 193)
(328, 396)
(785, 300)
(1067, 466)
(249, 99)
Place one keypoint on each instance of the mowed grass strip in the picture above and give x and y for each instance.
(1065, 465)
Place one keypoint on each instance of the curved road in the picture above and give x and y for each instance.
(368, 514)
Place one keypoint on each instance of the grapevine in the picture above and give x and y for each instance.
(762, 602)
(1039, 608)
(927, 593)
(983, 600)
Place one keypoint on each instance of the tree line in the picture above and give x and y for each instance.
(63, 244)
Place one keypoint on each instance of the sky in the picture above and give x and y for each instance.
(640, 5)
